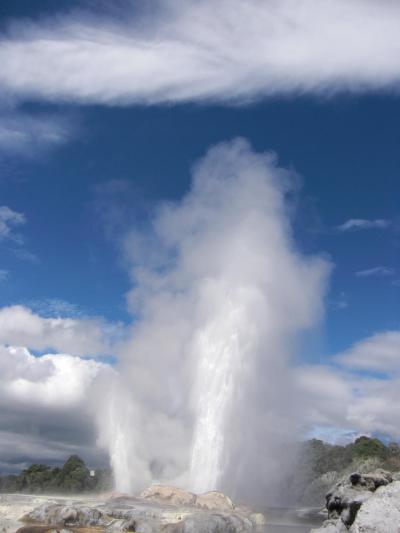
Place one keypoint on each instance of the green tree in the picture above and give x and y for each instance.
(74, 476)
(365, 447)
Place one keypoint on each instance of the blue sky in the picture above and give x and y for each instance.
(105, 111)
(344, 148)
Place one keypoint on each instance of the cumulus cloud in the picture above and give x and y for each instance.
(20, 326)
(356, 224)
(220, 295)
(9, 219)
(49, 380)
(46, 401)
(185, 50)
(376, 271)
(359, 392)
(380, 352)
(44, 412)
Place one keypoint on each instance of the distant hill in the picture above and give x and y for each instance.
(73, 477)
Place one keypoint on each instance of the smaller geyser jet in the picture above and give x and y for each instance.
(203, 391)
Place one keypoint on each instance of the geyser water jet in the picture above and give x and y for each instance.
(204, 390)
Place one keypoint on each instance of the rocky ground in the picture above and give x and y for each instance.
(158, 509)
(364, 503)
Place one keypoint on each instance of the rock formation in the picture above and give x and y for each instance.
(363, 504)
(157, 509)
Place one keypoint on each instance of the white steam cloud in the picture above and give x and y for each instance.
(203, 395)
(190, 50)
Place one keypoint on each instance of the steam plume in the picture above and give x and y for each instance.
(203, 393)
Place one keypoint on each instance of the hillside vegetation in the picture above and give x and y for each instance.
(73, 477)
(321, 465)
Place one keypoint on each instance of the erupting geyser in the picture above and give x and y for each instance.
(203, 395)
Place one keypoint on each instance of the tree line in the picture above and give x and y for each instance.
(73, 477)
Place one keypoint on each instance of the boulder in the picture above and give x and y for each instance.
(216, 523)
(349, 507)
(168, 495)
(331, 526)
(258, 519)
(214, 500)
(66, 515)
(381, 513)
(346, 498)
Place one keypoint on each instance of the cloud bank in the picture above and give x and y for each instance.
(359, 391)
(43, 407)
(21, 327)
(190, 51)
(47, 401)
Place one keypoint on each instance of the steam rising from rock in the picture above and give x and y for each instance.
(203, 396)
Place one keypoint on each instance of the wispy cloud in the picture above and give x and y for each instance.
(9, 220)
(55, 308)
(225, 51)
(341, 302)
(4, 274)
(356, 224)
(25, 255)
(376, 271)
(25, 134)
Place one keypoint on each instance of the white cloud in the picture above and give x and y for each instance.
(185, 50)
(84, 336)
(4, 274)
(360, 393)
(355, 224)
(24, 134)
(55, 308)
(380, 352)
(44, 413)
(376, 271)
(351, 402)
(46, 402)
(9, 219)
(46, 381)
